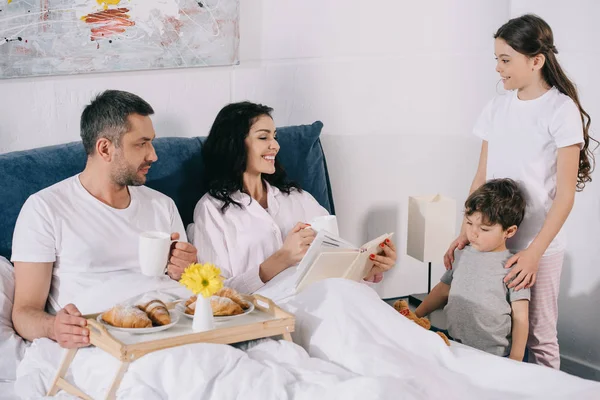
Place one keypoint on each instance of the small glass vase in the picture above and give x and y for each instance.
(203, 315)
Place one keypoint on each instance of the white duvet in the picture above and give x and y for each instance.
(348, 345)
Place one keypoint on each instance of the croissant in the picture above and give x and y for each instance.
(190, 305)
(191, 300)
(221, 306)
(233, 295)
(157, 312)
(224, 306)
(126, 317)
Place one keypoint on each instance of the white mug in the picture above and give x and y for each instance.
(327, 223)
(154, 248)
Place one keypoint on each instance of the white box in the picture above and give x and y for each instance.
(431, 227)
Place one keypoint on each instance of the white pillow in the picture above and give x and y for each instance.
(12, 346)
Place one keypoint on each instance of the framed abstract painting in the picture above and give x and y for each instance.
(56, 37)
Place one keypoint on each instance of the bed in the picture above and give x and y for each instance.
(348, 343)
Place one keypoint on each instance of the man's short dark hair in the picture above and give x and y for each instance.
(500, 201)
(106, 117)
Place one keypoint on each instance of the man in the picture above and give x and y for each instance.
(81, 231)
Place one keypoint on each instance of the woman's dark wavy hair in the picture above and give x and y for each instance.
(530, 35)
(225, 155)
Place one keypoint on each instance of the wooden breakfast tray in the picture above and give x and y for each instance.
(266, 320)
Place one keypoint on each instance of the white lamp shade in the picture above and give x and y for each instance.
(431, 227)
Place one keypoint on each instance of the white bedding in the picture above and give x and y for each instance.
(7, 391)
(354, 346)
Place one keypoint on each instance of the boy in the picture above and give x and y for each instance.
(481, 311)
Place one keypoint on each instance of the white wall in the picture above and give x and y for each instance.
(398, 85)
(576, 33)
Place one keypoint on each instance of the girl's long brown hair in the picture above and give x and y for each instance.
(530, 35)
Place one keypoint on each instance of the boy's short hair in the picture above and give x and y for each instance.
(500, 201)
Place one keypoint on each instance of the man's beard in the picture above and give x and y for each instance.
(126, 175)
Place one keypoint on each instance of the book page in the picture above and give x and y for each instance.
(332, 257)
(376, 242)
(363, 263)
(324, 242)
(328, 265)
(331, 240)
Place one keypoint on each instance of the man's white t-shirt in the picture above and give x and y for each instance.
(523, 141)
(87, 240)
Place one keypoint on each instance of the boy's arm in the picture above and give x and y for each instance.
(436, 299)
(520, 329)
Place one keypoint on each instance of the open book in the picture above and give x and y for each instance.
(331, 257)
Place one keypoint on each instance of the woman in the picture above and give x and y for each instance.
(248, 222)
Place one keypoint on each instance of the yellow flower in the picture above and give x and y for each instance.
(202, 279)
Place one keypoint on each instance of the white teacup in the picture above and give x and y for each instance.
(154, 248)
(327, 223)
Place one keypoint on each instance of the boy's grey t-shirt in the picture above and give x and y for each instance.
(478, 309)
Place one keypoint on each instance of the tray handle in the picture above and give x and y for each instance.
(100, 329)
(264, 304)
(100, 337)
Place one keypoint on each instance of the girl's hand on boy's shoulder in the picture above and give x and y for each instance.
(459, 243)
(524, 269)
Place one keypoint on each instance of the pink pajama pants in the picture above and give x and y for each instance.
(543, 312)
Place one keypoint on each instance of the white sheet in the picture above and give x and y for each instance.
(7, 391)
(369, 338)
(356, 347)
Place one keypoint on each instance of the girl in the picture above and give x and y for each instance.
(538, 135)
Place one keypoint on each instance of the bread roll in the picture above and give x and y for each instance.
(221, 306)
(157, 312)
(233, 295)
(224, 306)
(126, 317)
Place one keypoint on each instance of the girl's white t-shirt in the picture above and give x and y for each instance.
(88, 241)
(523, 140)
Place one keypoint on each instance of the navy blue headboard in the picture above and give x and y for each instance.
(177, 173)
